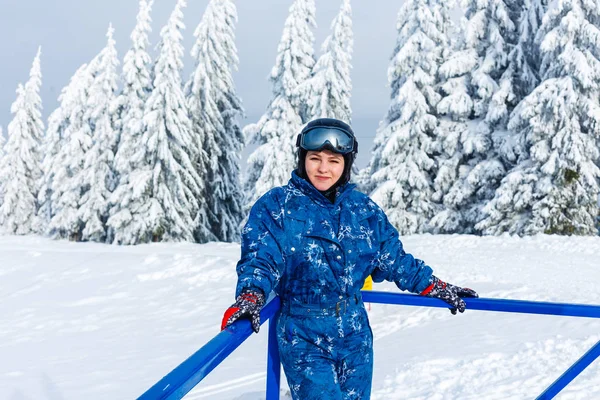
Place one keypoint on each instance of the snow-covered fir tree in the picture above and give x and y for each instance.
(491, 31)
(130, 155)
(76, 133)
(55, 167)
(554, 186)
(329, 88)
(275, 133)
(97, 176)
(402, 167)
(167, 185)
(454, 111)
(470, 169)
(137, 86)
(518, 80)
(20, 168)
(524, 59)
(215, 109)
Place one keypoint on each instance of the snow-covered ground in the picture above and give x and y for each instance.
(90, 321)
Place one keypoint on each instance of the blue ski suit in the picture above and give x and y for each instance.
(316, 256)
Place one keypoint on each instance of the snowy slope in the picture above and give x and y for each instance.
(91, 321)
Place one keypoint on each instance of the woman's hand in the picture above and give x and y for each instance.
(449, 293)
(247, 305)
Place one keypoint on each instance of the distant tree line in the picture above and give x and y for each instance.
(493, 127)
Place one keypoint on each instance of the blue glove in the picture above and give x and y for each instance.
(449, 293)
(247, 305)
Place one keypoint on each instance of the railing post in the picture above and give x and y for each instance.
(273, 362)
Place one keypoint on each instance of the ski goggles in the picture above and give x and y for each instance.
(327, 138)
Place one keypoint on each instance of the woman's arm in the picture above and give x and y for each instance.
(412, 274)
(395, 265)
(261, 263)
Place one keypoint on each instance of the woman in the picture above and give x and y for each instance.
(314, 242)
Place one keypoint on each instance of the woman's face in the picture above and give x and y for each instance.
(324, 168)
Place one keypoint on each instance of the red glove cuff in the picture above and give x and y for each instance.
(427, 290)
(228, 313)
(436, 282)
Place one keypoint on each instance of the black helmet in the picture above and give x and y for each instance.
(327, 134)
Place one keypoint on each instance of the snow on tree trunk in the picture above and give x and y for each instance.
(554, 186)
(271, 163)
(329, 88)
(20, 168)
(401, 171)
(124, 220)
(215, 109)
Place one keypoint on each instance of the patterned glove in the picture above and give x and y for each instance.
(449, 293)
(247, 305)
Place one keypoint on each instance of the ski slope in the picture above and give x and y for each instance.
(92, 321)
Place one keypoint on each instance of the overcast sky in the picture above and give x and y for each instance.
(71, 32)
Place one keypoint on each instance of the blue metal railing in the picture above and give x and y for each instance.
(188, 374)
(571, 373)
